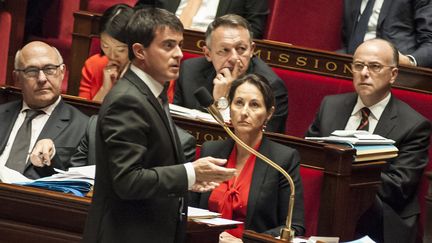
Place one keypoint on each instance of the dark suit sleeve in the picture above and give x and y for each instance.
(256, 12)
(278, 120)
(188, 143)
(84, 153)
(314, 129)
(423, 32)
(400, 179)
(132, 135)
(292, 166)
(178, 90)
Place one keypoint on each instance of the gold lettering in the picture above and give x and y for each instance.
(301, 61)
(316, 63)
(197, 135)
(347, 68)
(331, 66)
(283, 58)
(257, 53)
(208, 137)
(200, 44)
(268, 55)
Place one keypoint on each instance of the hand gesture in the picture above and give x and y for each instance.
(42, 153)
(223, 80)
(209, 169)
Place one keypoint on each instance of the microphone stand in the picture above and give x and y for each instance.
(287, 234)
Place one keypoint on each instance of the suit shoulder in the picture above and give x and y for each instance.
(9, 105)
(76, 113)
(196, 63)
(406, 111)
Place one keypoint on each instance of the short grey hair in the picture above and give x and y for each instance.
(230, 20)
(18, 57)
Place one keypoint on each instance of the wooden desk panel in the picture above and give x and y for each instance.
(428, 224)
(348, 188)
(276, 54)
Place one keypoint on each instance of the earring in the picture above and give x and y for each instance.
(264, 127)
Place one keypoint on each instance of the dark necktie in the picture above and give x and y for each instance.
(364, 123)
(20, 147)
(164, 100)
(360, 29)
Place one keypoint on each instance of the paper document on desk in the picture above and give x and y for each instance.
(353, 137)
(218, 221)
(200, 213)
(11, 176)
(364, 239)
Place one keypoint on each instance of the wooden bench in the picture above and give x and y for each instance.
(347, 189)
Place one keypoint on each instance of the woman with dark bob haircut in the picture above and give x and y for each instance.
(259, 195)
(101, 71)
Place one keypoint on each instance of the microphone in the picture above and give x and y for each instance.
(206, 100)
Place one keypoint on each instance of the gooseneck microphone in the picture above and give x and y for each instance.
(206, 100)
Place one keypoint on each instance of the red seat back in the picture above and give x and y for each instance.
(315, 24)
(5, 27)
(99, 6)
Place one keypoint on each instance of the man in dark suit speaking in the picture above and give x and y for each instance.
(393, 217)
(27, 126)
(141, 180)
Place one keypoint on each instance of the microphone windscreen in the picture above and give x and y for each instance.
(204, 97)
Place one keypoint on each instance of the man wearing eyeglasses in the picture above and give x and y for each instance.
(28, 127)
(228, 55)
(393, 217)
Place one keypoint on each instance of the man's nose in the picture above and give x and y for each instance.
(42, 76)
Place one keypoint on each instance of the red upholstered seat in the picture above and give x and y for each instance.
(315, 24)
(99, 6)
(57, 29)
(312, 180)
(5, 27)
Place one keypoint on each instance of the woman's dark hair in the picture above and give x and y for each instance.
(114, 20)
(260, 82)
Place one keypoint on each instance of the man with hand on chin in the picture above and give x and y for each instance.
(228, 55)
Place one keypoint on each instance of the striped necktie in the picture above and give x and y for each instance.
(364, 123)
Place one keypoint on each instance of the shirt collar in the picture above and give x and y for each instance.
(48, 109)
(154, 86)
(376, 110)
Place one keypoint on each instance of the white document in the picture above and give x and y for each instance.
(314, 239)
(364, 239)
(218, 221)
(11, 176)
(201, 213)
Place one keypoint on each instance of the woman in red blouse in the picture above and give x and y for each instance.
(101, 71)
(259, 195)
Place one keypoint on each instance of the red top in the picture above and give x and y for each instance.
(230, 198)
(92, 76)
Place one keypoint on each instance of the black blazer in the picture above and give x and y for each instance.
(198, 72)
(254, 11)
(65, 126)
(400, 179)
(405, 23)
(140, 177)
(269, 192)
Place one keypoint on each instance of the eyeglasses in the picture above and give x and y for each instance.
(33, 72)
(372, 67)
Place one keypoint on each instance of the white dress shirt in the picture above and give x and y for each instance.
(38, 124)
(156, 88)
(204, 16)
(373, 20)
(375, 115)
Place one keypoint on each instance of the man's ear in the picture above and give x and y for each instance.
(207, 53)
(139, 51)
(394, 73)
(270, 113)
(252, 48)
(16, 79)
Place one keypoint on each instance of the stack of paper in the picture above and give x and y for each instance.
(77, 180)
(353, 137)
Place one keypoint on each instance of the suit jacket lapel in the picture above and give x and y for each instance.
(8, 118)
(56, 123)
(142, 87)
(344, 114)
(170, 5)
(387, 120)
(223, 7)
(383, 13)
(258, 176)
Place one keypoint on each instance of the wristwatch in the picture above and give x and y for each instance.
(222, 103)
